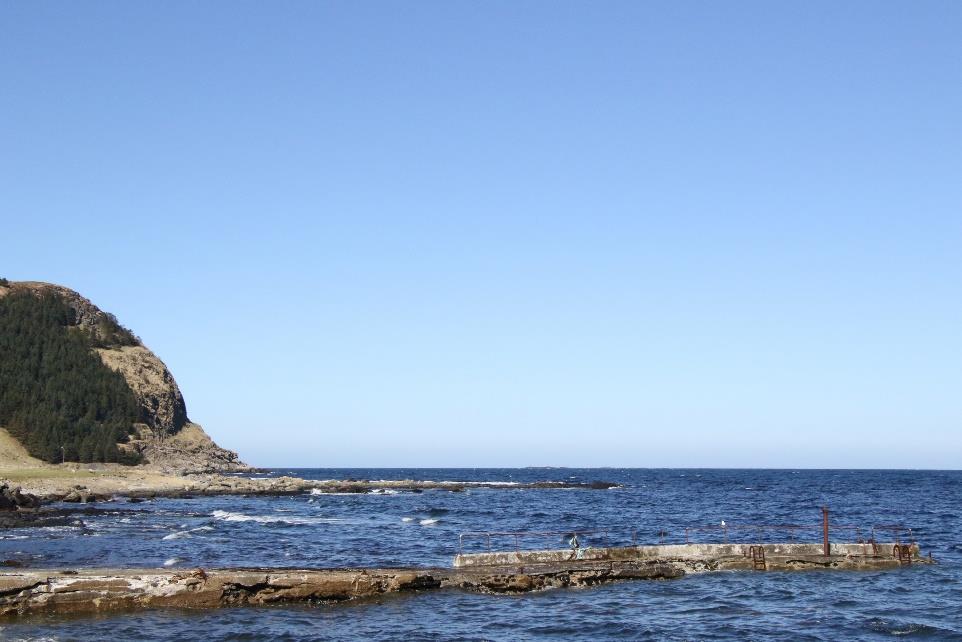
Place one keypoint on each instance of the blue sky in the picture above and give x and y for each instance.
(510, 233)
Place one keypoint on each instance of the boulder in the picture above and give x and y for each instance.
(15, 499)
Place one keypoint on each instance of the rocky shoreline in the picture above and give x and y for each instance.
(217, 484)
(26, 504)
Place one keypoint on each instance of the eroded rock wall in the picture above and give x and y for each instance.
(154, 387)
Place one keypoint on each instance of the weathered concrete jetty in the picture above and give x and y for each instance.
(25, 592)
(699, 558)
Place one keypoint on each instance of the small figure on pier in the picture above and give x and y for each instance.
(573, 542)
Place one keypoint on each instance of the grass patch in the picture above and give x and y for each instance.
(25, 474)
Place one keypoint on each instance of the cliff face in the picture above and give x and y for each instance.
(167, 438)
(153, 385)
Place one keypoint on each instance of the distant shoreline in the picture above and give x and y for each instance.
(83, 483)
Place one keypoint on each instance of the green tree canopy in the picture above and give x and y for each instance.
(56, 395)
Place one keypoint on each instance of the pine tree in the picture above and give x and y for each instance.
(56, 396)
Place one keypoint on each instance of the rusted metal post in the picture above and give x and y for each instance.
(825, 545)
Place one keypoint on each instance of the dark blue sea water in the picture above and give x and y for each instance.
(423, 529)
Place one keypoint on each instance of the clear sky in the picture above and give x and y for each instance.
(510, 233)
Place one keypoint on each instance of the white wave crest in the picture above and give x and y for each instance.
(482, 483)
(228, 516)
(180, 534)
(428, 522)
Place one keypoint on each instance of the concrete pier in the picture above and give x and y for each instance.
(711, 557)
(24, 592)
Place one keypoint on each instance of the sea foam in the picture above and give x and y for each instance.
(180, 534)
(228, 516)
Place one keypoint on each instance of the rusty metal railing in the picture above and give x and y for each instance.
(518, 536)
(758, 529)
(730, 533)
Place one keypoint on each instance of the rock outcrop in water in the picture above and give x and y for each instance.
(14, 499)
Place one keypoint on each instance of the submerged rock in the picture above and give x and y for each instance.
(38, 518)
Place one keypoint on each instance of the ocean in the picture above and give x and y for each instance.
(402, 529)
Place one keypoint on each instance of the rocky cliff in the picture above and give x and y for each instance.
(160, 399)
(165, 437)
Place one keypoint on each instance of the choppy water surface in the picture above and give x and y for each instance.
(386, 529)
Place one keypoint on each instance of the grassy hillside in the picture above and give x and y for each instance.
(56, 395)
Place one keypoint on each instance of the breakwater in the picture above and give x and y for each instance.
(98, 590)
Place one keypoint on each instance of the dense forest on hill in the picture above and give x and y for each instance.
(56, 396)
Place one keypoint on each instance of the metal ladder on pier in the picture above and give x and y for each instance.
(758, 558)
(903, 552)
